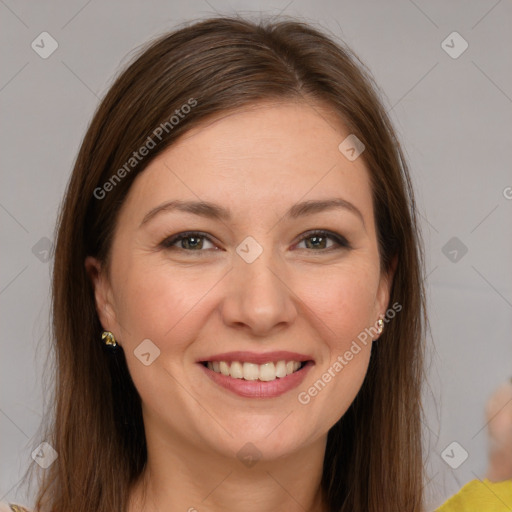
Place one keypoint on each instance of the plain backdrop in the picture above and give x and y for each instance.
(453, 114)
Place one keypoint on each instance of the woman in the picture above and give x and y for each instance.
(238, 232)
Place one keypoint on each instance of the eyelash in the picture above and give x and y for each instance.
(168, 242)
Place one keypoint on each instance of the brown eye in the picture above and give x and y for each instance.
(318, 240)
(188, 241)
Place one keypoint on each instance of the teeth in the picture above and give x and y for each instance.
(281, 369)
(267, 372)
(236, 370)
(224, 368)
(250, 371)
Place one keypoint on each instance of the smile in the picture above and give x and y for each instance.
(236, 381)
(250, 371)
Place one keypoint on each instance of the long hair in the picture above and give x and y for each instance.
(373, 459)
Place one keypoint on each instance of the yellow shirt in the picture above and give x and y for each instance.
(481, 496)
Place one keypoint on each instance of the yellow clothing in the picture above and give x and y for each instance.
(481, 496)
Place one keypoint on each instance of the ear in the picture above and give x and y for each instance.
(102, 293)
(384, 290)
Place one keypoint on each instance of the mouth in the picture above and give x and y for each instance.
(262, 376)
(266, 372)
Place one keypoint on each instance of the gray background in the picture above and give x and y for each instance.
(454, 116)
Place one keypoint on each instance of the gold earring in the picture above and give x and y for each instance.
(109, 339)
(380, 326)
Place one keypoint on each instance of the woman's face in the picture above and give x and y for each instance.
(256, 279)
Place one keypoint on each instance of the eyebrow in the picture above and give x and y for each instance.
(215, 211)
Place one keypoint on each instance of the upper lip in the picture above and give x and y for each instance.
(257, 358)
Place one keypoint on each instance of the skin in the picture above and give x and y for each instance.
(297, 296)
(499, 426)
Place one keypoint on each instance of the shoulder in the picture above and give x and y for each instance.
(11, 507)
(482, 496)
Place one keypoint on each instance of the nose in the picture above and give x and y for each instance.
(258, 297)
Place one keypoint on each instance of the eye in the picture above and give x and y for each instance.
(194, 241)
(318, 239)
(190, 241)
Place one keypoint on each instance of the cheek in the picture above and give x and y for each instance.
(168, 308)
(165, 304)
(342, 307)
(342, 300)
(156, 302)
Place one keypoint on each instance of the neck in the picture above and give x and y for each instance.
(180, 475)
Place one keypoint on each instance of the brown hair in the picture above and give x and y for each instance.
(373, 458)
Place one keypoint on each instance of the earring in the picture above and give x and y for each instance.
(380, 326)
(109, 339)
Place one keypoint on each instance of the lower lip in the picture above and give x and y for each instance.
(258, 388)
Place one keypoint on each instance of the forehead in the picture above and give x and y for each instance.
(266, 154)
